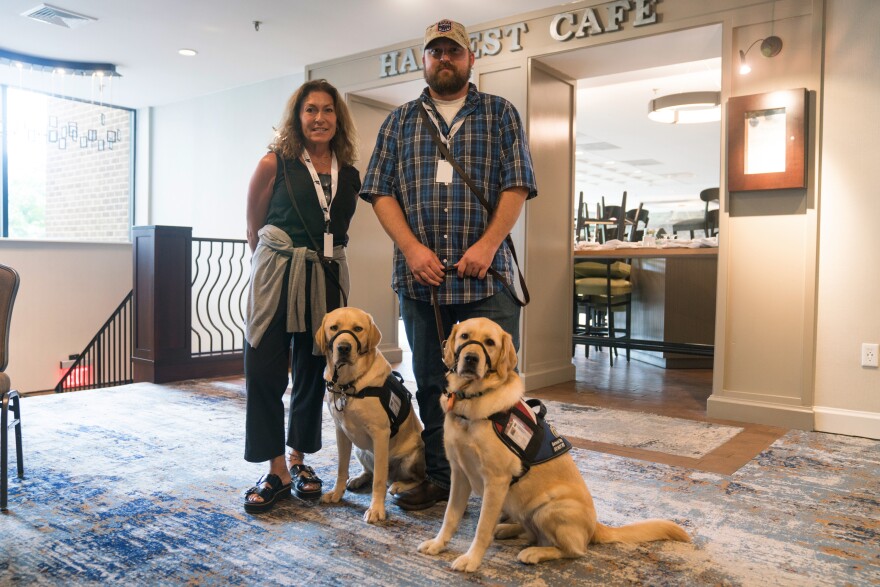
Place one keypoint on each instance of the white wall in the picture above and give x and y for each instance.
(67, 291)
(847, 396)
(204, 151)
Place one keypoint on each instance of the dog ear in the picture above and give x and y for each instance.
(320, 338)
(507, 357)
(449, 348)
(375, 335)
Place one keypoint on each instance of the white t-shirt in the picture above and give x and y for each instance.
(449, 108)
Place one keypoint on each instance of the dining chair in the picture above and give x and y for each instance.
(601, 290)
(9, 281)
(581, 227)
(708, 222)
(616, 213)
(638, 217)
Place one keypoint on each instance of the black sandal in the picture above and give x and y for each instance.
(270, 494)
(304, 475)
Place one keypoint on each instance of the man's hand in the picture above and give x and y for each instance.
(476, 260)
(424, 264)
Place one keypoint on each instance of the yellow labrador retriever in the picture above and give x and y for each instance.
(549, 503)
(371, 409)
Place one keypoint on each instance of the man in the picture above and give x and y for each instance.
(445, 240)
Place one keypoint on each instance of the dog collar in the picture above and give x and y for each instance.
(459, 395)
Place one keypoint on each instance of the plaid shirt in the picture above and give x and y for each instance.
(491, 147)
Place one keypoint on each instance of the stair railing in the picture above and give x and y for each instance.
(106, 360)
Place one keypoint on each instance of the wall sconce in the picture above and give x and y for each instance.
(686, 108)
(770, 47)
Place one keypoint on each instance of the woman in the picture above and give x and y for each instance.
(301, 199)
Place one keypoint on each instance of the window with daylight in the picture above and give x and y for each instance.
(67, 168)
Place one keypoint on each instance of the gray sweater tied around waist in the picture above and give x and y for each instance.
(274, 255)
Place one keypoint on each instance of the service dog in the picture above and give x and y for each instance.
(387, 435)
(549, 503)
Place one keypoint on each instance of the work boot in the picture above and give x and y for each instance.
(421, 497)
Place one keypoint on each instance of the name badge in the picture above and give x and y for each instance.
(328, 244)
(444, 171)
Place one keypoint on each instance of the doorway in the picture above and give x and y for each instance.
(663, 167)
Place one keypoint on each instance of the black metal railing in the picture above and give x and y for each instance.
(219, 282)
(106, 360)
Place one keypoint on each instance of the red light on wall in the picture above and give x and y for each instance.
(79, 376)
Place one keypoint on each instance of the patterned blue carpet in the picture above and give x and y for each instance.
(141, 485)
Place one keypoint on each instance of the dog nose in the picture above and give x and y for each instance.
(344, 348)
(471, 360)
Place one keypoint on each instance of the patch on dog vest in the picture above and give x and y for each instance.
(528, 435)
(395, 399)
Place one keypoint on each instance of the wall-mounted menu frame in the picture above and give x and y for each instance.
(766, 141)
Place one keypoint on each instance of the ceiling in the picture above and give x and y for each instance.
(143, 38)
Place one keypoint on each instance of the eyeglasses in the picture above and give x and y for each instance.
(453, 52)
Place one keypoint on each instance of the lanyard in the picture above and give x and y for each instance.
(452, 130)
(334, 176)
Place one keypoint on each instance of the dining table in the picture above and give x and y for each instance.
(667, 307)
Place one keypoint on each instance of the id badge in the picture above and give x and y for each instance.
(328, 245)
(444, 171)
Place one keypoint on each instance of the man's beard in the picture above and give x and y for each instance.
(447, 84)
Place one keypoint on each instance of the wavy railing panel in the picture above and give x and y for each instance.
(219, 287)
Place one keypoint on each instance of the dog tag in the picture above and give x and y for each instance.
(450, 402)
(444, 171)
(328, 245)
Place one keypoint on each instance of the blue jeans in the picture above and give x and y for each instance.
(427, 362)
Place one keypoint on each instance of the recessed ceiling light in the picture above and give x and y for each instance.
(188, 52)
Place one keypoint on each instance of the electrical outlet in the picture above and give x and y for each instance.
(869, 354)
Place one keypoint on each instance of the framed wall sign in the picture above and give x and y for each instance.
(766, 141)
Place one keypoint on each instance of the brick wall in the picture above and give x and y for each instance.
(88, 182)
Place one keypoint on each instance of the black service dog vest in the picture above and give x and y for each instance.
(394, 397)
(528, 435)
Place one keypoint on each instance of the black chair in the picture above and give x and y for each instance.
(708, 223)
(638, 218)
(616, 213)
(9, 281)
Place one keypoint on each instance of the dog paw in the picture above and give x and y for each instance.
(466, 563)
(432, 547)
(538, 554)
(374, 514)
(359, 482)
(507, 531)
(332, 496)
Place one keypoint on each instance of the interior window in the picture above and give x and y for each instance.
(68, 168)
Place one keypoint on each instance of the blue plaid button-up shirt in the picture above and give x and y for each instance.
(490, 146)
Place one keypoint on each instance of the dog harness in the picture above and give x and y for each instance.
(393, 395)
(528, 435)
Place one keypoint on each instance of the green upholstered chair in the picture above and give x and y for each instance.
(601, 290)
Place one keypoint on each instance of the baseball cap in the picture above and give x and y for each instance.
(447, 29)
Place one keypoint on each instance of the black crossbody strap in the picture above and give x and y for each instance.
(325, 261)
(435, 134)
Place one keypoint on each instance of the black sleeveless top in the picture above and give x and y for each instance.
(282, 214)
